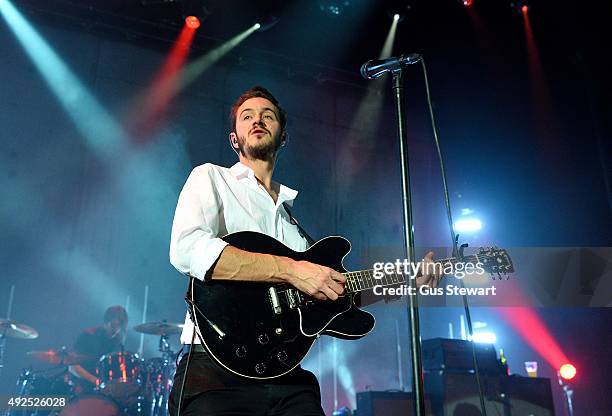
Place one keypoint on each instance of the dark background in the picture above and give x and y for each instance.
(529, 154)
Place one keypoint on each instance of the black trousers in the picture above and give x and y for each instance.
(212, 391)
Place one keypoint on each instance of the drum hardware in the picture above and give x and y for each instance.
(159, 328)
(127, 384)
(12, 329)
(55, 382)
(92, 405)
(160, 370)
(120, 376)
(62, 357)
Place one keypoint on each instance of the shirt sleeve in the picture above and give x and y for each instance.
(81, 345)
(195, 244)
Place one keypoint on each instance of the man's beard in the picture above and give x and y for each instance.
(261, 151)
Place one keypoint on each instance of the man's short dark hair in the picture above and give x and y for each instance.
(257, 92)
(115, 312)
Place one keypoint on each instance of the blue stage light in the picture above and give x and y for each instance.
(467, 225)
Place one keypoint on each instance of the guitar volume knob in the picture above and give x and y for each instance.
(282, 356)
(260, 368)
(263, 339)
(241, 352)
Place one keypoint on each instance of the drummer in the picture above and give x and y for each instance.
(100, 340)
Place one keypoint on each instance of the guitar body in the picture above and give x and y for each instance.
(263, 331)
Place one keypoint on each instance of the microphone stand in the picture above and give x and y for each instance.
(413, 306)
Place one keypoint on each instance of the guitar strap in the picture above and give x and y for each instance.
(301, 230)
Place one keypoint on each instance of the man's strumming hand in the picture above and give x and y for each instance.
(315, 280)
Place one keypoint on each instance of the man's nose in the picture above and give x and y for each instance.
(258, 120)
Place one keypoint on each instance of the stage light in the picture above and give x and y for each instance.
(467, 3)
(192, 22)
(97, 126)
(567, 371)
(520, 6)
(266, 22)
(334, 7)
(484, 337)
(257, 26)
(467, 225)
(396, 17)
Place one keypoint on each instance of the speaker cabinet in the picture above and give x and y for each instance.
(457, 395)
(387, 403)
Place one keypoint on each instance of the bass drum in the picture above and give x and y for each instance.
(91, 405)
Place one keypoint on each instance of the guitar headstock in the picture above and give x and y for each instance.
(495, 261)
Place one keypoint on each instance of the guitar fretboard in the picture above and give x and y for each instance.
(360, 280)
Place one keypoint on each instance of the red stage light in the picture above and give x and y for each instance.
(524, 9)
(468, 3)
(567, 371)
(192, 22)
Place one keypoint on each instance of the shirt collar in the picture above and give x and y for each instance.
(285, 193)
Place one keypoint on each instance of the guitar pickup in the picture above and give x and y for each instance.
(294, 298)
(293, 303)
(274, 300)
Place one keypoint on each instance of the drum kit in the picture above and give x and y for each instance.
(126, 385)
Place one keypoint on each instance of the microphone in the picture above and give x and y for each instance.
(376, 67)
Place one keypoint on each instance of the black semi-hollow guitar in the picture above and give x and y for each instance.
(263, 331)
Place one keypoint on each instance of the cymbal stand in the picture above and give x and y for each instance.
(163, 382)
(2, 347)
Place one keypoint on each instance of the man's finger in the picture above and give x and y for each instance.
(338, 288)
(338, 277)
(329, 293)
(320, 296)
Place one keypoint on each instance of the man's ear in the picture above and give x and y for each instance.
(233, 140)
(284, 138)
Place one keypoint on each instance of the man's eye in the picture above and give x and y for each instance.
(246, 117)
(269, 116)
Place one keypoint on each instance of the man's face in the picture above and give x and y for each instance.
(258, 129)
(116, 329)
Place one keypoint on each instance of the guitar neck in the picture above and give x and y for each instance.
(361, 280)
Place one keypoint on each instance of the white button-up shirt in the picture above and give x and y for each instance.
(216, 201)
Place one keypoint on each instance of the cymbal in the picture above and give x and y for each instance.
(159, 328)
(13, 329)
(60, 357)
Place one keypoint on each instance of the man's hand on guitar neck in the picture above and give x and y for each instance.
(317, 281)
(422, 279)
(429, 279)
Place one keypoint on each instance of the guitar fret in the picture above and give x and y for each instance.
(366, 281)
(370, 279)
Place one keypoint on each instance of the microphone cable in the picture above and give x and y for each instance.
(454, 237)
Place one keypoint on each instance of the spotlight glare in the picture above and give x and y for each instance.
(467, 3)
(396, 17)
(257, 26)
(525, 8)
(484, 337)
(567, 371)
(467, 225)
(192, 22)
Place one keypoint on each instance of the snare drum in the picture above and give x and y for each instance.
(119, 375)
(91, 405)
